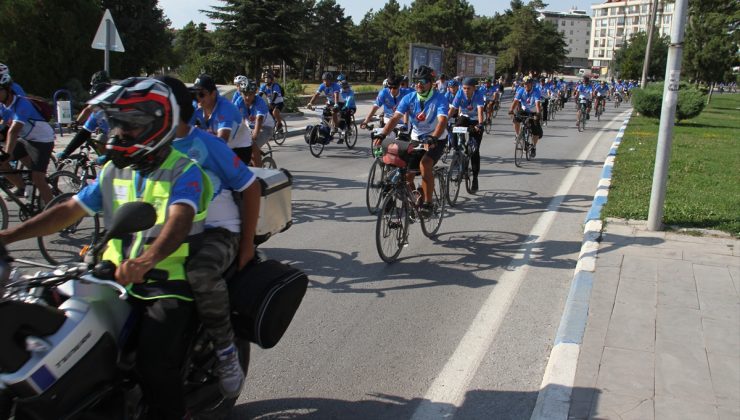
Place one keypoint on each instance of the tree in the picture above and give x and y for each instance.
(629, 59)
(193, 44)
(711, 40)
(145, 35)
(46, 44)
(530, 43)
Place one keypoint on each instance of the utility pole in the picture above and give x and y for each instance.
(667, 116)
(651, 29)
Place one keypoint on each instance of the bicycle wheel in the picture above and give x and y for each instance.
(66, 245)
(64, 182)
(495, 111)
(350, 135)
(488, 126)
(269, 163)
(375, 183)
(466, 175)
(3, 214)
(315, 144)
(527, 146)
(279, 135)
(391, 227)
(518, 150)
(453, 178)
(430, 226)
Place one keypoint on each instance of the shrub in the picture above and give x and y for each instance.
(649, 101)
(291, 90)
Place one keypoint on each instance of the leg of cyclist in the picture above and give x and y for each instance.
(35, 156)
(477, 135)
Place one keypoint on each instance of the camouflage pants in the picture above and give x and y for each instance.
(205, 269)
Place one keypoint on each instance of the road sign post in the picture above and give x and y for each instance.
(107, 39)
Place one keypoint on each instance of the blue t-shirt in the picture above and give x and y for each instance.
(18, 89)
(225, 116)
(602, 90)
(470, 106)
(389, 103)
(237, 98)
(348, 96)
(186, 189)
(35, 127)
(405, 91)
(424, 118)
(258, 107)
(270, 91)
(97, 120)
(527, 100)
(225, 170)
(450, 96)
(584, 91)
(489, 92)
(328, 91)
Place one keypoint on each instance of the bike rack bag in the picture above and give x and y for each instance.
(275, 205)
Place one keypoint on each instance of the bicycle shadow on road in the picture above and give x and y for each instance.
(519, 202)
(477, 404)
(302, 181)
(306, 211)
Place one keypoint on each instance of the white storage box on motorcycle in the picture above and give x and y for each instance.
(275, 206)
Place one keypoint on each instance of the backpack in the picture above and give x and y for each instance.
(44, 109)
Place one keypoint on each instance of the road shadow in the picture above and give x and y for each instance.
(517, 202)
(303, 180)
(306, 211)
(477, 404)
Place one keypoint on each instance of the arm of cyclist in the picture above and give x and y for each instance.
(370, 116)
(250, 209)
(47, 222)
(310, 101)
(259, 121)
(11, 139)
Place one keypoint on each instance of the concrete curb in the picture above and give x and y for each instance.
(553, 401)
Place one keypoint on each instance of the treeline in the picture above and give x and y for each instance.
(46, 43)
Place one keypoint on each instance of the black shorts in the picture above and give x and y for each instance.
(535, 126)
(278, 106)
(435, 154)
(39, 152)
(244, 153)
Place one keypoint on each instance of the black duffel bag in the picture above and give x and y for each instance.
(264, 297)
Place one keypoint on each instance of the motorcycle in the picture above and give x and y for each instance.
(63, 341)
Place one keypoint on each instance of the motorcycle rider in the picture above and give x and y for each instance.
(144, 166)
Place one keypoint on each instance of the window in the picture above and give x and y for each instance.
(609, 43)
(611, 32)
(613, 21)
(571, 31)
(635, 20)
(668, 8)
(603, 33)
(588, 33)
(571, 23)
(620, 31)
(667, 19)
(586, 50)
(645, 8)
(596, 43)
(562, 23)
(620, 21)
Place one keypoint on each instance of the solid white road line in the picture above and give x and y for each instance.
(448, 390)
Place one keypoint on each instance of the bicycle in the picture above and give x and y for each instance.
(83, 167)
(267, 160)
(318, 136)
(279, 131)
(401, 207)
(600, 103)
(378, 175)
(459, 169)
(522, 143)
(48, 245)
(617, 99)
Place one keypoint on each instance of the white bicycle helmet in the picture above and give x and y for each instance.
(4, 69)
(239, 80)
(5, 80)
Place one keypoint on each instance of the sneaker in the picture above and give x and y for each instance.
(533, 152)
(426, 210)
(474, 184)
(229, 371)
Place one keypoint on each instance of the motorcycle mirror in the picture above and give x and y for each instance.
(129, 218)
(132, 217)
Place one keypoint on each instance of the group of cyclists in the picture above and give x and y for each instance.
(187, 151)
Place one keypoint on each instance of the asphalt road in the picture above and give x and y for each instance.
(461, 326)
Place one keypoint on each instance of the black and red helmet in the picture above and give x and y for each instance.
(143, 115)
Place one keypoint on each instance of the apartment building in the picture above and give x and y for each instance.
(615, 21)
(575, 25)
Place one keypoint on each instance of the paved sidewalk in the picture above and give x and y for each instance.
(663, 334)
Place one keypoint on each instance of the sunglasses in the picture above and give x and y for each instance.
(202, 93)
(392, 87)
(421, 81)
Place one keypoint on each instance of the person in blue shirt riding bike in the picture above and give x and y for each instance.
(388, 98)
(427, 110)
(600, 93)
(94, 123)
(469, 104)
(332, 91)
(584, 92)
(527, 103)
(271, 91)
(256, 113)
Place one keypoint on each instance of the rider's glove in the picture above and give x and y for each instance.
(61, 155)
(432, 139)
(379, 137)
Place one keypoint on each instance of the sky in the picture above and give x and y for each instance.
(181, 12)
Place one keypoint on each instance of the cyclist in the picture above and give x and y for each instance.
(256, 113)
(272, 91)
(453, 87)
(469, 104)
(144, 166)
(427, 111)
(442, 83)
(544, 88)
(527, 103)
(388, 98)
(331, 90)
(228, 235)
(491, 93)
(220, 117)
(600, 93)
(16, 87)
(96, 121)
(583, 92)
(350, 107)
(29, 139)
(102, 81)
(236, 99)
(405, 89)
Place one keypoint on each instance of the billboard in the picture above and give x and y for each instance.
(428, 55)
(476, 65)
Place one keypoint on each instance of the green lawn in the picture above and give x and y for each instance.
(310, 88)
(704, 176)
